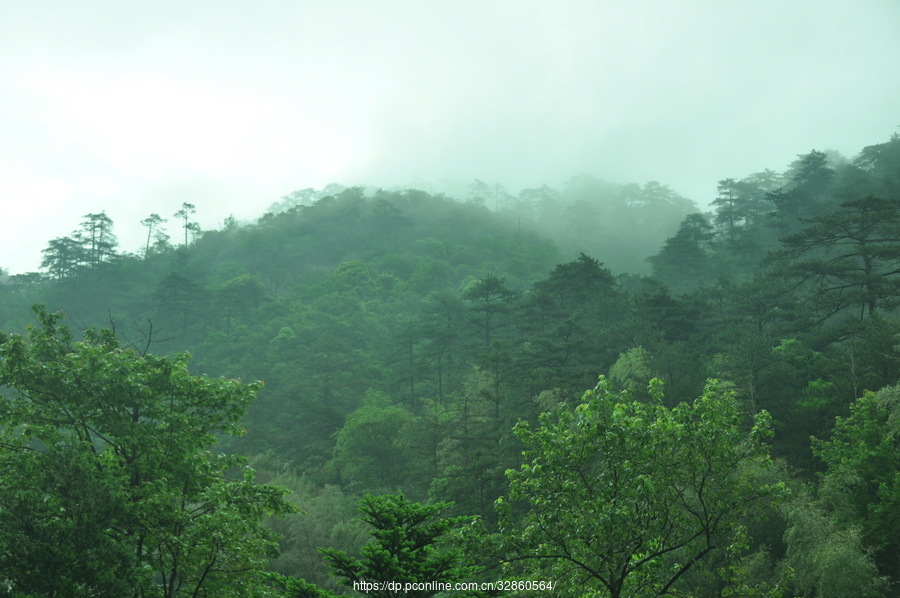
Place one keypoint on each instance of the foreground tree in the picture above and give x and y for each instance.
(110, 487)
(632, 499)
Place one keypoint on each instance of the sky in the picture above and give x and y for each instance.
(135, 108)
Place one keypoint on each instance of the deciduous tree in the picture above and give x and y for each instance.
(626, 498)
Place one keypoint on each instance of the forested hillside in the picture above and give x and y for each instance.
(744, 438)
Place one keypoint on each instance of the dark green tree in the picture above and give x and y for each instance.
(470, 457)
(752, 192)
(812, 174)
(57, 514)
(408, 555)
(685, 262)
(562, 317)
(179, 301)
(807, 195)
(848, 260)
(235, 298)
(373, 446)
(406, 547)
(387, 221)
(728, 210)
(443, 319)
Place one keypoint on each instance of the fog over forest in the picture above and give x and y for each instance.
(134, 111)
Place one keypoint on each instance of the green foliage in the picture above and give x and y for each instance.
(626, 498)
(874, 354)
(97, 239)
(184, 214)
(139, 489)
(155, 230)
(235, 298)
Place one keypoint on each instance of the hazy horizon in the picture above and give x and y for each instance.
(133, 111)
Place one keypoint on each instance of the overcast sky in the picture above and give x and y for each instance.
(135, 108)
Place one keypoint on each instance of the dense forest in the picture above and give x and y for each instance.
(428, 406)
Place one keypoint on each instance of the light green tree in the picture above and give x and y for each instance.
(623, 498)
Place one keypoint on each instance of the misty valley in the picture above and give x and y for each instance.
(596, 390)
